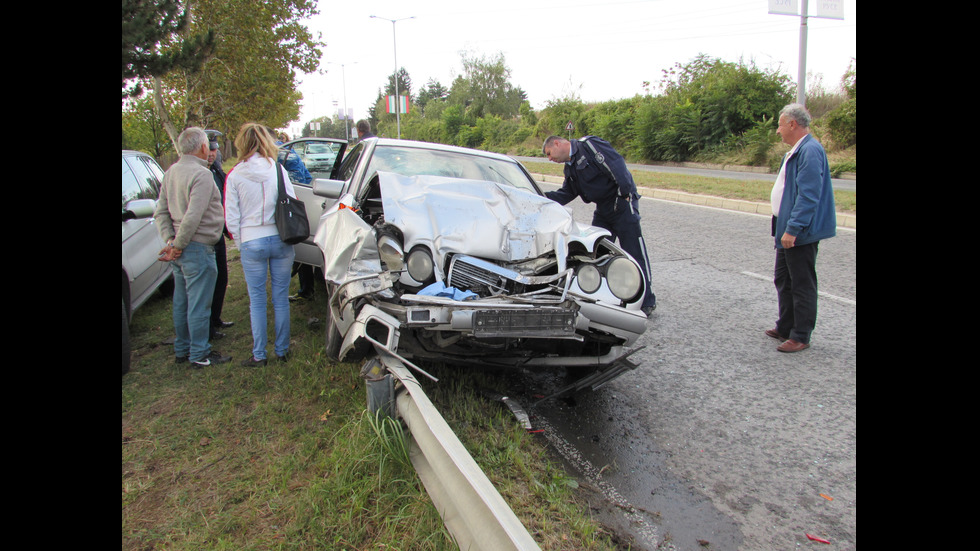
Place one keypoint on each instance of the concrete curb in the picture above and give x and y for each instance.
(843, 220)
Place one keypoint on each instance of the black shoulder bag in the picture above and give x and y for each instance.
(291, 219)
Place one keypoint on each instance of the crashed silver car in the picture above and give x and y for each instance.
(440, 253)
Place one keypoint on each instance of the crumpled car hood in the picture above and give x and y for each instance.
(452, 215)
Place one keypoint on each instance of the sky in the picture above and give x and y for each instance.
(593, 50)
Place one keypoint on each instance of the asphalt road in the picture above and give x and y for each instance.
(717, 440)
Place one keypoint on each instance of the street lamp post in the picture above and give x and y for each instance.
(398, 119)
(343, 78)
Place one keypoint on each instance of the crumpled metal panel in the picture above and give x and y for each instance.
(451, 215)
(479, 218)
(349, 246)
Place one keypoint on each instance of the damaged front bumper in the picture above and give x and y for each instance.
(383, 331)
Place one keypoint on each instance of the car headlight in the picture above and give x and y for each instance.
(624, 278)
(420, 265)
(589, 278)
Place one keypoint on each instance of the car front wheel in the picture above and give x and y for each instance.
(126, 350)
(333, 337)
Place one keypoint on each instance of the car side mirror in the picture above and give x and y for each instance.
(330, 189)
(139, 208)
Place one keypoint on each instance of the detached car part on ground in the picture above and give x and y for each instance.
(439, 253)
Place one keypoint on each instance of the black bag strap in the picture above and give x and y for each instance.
(282, 185)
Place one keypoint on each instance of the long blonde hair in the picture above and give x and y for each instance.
(254, 138)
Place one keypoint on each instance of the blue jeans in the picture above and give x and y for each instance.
(194, 275)
(261, 258)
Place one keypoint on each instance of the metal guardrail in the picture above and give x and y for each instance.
(471, 508)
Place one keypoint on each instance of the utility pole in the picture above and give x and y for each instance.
(398, 118)
(829, 9)
(801, 73)
(346, 113)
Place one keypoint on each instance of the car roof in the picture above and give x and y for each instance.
(133, 153)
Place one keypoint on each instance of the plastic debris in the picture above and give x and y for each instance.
(816, 539)
(515, 407)
(827, 497)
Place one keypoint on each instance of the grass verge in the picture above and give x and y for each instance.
(746, 190)
(286, 457)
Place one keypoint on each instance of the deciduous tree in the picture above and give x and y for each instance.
(250, 75)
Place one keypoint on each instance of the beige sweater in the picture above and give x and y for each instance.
(189, 207)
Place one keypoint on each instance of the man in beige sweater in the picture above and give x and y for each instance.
(190, 218)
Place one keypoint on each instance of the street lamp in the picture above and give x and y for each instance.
(398, 119)
(346, 115)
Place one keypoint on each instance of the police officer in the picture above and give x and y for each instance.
(597, 173)
(220, 249)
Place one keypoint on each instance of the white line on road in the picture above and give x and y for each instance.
(821, 293)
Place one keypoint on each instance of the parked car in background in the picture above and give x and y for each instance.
(314, 153)
(441, 253)
(142, 273)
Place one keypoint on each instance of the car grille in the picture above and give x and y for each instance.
(488, 279)
(472, 274)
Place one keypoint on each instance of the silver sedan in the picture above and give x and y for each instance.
(434, 252)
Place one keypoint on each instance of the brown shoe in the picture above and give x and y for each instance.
(775, 334)
(792, 346)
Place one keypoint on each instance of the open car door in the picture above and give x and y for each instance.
(306, 159)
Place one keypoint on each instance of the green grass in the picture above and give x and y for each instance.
(286, 457)
(747, 190)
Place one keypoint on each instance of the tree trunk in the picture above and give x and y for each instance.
(162, 113)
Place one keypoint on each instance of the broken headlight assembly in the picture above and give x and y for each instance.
(624, 278)
(420, 265)
(589, 278)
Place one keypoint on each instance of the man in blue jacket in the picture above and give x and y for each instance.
(803, 214)
(597, 173)
(293, 164)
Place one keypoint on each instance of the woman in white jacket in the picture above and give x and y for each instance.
(251, 191)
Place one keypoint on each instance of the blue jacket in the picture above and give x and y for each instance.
(595, 172)
(807, 207)
(294, 165)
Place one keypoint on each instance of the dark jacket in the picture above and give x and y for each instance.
(595, 172)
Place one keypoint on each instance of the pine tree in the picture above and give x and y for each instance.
(147, 23)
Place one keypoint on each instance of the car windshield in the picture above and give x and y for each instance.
(411, 161)
(318, 149)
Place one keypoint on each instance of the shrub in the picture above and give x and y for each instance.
(841, 124)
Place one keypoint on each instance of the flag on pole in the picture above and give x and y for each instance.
(401, 103)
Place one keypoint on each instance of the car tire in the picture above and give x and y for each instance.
(333, 339)
(126, 349)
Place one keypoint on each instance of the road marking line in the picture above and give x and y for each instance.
(821, 293)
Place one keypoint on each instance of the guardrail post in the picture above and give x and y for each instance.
(380, 387)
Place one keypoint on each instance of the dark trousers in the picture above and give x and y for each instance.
(221, 284)
(306, 279)
(795, 277)
(624, 225)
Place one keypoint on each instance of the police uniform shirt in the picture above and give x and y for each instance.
(595, 172)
